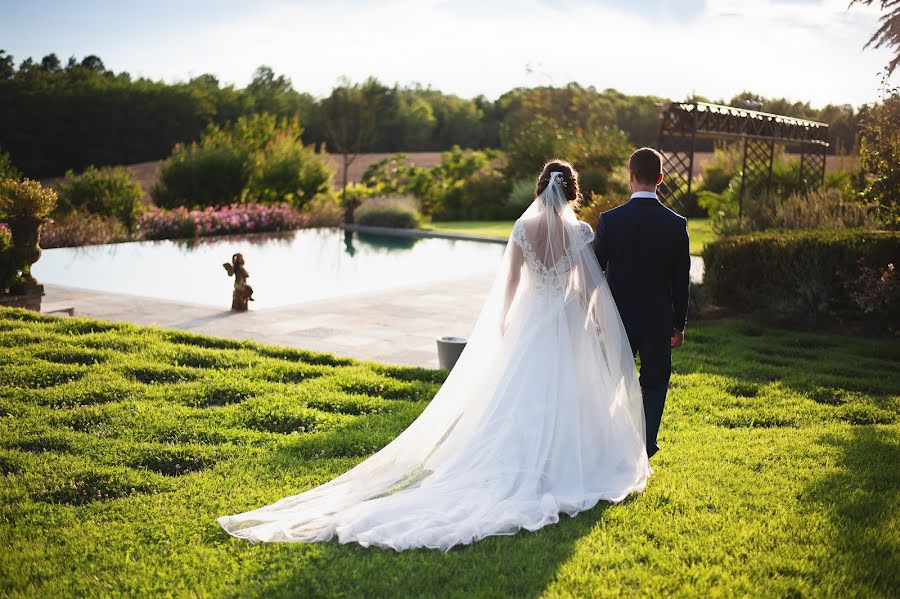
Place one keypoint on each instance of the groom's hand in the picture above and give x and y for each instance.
(677, 338)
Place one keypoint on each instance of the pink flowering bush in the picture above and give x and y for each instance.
(236, 218)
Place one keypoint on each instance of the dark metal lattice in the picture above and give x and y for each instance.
(812, 168)
(682, 123)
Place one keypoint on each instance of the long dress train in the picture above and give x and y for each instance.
(541, 415)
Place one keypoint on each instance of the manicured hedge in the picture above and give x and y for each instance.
(807, 274)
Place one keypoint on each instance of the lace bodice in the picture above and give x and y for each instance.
(552, 277)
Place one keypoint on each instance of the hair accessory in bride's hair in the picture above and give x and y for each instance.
(559, 179)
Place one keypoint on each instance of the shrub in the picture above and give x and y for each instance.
(7, 169)
(479, 197)
(399, 212)
(876, 294)
(880, 153)
(25, 199)
(697, 299)
(103, 191)
(79, 228)
(466, 184)
(257, 158)
(286, 171)
(799, 274)
(206, 174)
(590, 212)
(819, 209)
(323, 211)
(521, 195)
(396, 175)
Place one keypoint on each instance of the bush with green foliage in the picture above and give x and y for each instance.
(818, 209)
(104, 191)
(7, 168)
(799, 275)
(203, 174)
(396, 175)
(467, 184)
(25, 199)
(880, 154)
(398, 212)
(590, 212)
(257, 158)
(287, 171)
(521, 194)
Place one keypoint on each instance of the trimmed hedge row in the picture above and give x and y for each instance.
(808, 275)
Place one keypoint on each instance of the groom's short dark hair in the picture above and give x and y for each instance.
(646, 166)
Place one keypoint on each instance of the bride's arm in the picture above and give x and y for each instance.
(516, 260)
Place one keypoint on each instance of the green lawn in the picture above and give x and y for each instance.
(119, 446)
(699, 230)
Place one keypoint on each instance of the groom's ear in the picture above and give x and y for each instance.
(659, 179)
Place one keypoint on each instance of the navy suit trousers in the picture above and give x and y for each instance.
(656, 369)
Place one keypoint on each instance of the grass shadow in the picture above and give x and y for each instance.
(859, 496)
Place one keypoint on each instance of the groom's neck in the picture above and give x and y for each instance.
(636, 187)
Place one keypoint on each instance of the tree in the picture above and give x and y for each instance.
(349, 115)
(888, 34)
(51, 63)
(7, 66)
(880, 153)
(93, 63)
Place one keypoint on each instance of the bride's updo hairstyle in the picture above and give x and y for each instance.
(569, 180)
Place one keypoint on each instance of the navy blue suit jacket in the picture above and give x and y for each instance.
(643, 248)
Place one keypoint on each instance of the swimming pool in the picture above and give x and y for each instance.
(285, 268)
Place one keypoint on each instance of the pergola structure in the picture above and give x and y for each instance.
(683, 123)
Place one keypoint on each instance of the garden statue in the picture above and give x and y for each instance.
(243, 292)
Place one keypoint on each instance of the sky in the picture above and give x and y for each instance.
(807, 50)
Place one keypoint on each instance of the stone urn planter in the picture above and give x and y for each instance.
(26, 238)
(449, 350)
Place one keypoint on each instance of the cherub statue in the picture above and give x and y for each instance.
(243, 292)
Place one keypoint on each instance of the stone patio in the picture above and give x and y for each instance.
(398, 326)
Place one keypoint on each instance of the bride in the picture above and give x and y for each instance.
(542, 413)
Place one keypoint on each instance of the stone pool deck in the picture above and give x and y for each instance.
(398, 326)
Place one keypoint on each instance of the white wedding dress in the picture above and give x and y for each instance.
(542, 414)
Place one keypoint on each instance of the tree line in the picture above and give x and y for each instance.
(55, 117)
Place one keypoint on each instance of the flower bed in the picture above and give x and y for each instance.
(236, 218)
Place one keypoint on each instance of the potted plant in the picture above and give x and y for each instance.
(25, 206)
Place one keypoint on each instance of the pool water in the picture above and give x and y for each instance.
(285, 268)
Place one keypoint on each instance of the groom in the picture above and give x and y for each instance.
(643, 248)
